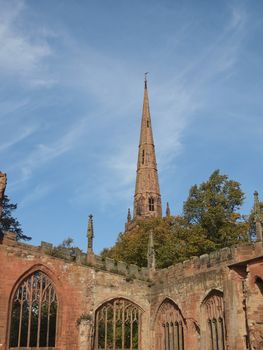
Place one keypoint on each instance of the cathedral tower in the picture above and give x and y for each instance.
(147, 198)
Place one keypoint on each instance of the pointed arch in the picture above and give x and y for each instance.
(213, 321)
(170, 326)
(33, 311)
(118, 325)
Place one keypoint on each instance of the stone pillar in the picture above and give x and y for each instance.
(86, 335)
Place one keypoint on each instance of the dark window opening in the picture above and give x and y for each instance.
(148, 123)
(151, 204)
(259, 283)
(118, 325)
(143, 157)
(34, 313)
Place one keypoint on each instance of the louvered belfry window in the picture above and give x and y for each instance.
(34, 313)
(151, 204)
(118, 326)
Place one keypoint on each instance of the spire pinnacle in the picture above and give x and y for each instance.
(90, 234)
(147, 198)
(258, 216)
(151, 252)
(168, 211)
(129, 215)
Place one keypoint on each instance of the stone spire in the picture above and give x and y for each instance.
(147, 198)
(151, 253)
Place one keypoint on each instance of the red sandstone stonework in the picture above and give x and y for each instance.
(237, 273)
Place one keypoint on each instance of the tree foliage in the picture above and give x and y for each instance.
(210, 221)
(8, 222)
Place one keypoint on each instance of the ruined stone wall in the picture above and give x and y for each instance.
(81, 289)
(187, 284)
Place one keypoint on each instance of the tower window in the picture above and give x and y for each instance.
(143, 157)
(151, 204)
(148, 123)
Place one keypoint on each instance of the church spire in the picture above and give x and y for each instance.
(147, 198)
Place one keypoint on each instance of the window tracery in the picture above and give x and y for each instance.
(118, 325)
(214, 314)
(169, 327)
(34, 313)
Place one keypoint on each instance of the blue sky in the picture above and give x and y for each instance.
(71, 94)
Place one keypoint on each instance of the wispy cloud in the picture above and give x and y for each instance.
(21, 56)
(44, 153)
(37, 193)
(15, 139)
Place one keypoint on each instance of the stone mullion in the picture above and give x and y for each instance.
(30, 311)
(20, 317)
(211, 334)
(114, 325)
(97, 331)
(139, 330)
(215, 334)
(221, 334)
(39, 310)
(176, 336)
(48, 316)
(106, 329)
(131, 331)
(123, 327)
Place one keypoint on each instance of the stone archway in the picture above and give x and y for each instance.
(170, 327)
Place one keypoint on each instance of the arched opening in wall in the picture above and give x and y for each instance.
(118, 325)
(33, 313)
(213, 318)
(170, 327)
(259, 283)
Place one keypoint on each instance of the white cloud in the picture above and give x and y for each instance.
(23, 134)
(20, 55)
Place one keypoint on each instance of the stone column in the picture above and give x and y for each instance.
(86, 335)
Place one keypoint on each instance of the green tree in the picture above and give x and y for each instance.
(214, 206)
(210, 221)
(8, 222)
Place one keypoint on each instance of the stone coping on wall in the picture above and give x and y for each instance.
(130, 271)
(218, 259)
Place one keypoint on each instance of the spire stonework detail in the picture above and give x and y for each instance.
(147, 198)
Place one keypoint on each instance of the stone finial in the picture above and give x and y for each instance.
(257, 211)
(90, 235)
(3, 181)
(168, 211)
(129, 215)
(151, 253)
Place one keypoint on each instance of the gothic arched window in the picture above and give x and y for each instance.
(34, 313)
(213, 311)
(118, 325)
(169, 327)
(151, 204)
